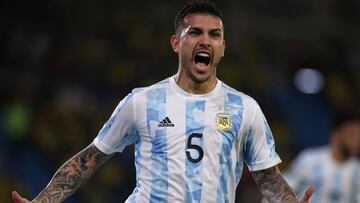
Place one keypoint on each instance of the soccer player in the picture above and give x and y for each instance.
(192, 132)
(334, 168)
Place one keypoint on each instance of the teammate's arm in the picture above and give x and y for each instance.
(275, 189)
(69, 176)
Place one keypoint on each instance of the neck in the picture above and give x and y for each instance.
(194, 87)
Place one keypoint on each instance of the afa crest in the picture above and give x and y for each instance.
(223, 121)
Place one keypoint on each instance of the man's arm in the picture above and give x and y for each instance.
(275, 189)
(70, 176)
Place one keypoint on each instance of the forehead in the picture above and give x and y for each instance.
(201, 20)
(351, 127)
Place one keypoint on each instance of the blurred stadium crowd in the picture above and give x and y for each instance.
(64, 66)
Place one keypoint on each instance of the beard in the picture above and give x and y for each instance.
(345, 151)
(198, 80)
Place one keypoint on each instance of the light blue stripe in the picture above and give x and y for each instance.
(138, 157)
(233, 107)
(105, 129)
(138, 167)
(336, 193)
(155, 112)
(318, 181)
(270, 139)
(355, 185)
(130, 137)
(250, 153)
(195, 121)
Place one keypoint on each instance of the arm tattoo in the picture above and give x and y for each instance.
(72, 174)
(273, 186)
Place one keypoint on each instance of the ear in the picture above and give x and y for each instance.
(224, 46)
(174, 41)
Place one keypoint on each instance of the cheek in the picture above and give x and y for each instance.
(186, 50)
(183, 47)
(352, 142)
(222, 52)
(357, 142)
(220, 49)
(219, 53)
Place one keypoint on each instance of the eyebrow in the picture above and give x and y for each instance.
(216, 30)
(211, 30)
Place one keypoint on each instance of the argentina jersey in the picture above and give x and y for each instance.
(189, 147)
(337, 182)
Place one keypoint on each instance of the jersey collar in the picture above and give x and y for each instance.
(177, 89)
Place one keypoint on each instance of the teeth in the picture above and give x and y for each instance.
(203, 54)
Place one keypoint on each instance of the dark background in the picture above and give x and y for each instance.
(65, 65)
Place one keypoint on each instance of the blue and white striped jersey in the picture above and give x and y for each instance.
(189, 148)
(335, 182)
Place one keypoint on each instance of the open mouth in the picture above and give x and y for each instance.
(202, 59)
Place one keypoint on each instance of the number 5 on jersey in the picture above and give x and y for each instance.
(191, 146)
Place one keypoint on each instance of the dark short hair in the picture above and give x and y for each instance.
(201, 7)
(342, 118)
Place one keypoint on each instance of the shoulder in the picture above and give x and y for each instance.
(321, 150)
(356, 162)
(313, 154)
(156, 86)
(248, 100)
(249, 106)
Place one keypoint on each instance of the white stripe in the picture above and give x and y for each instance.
(346, 175)
(212, 145)
(327, 184)
(176, 144)
(145, 177)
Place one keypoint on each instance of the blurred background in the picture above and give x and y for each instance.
(65, 65)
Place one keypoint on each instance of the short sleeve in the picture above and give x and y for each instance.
(259, 147)
(120, 130)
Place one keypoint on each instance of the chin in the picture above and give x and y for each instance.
(200, 78)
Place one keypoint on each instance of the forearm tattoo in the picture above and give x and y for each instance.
(273, 186)
(72, 174)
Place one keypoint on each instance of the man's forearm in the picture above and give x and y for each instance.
(273, 186)
(71, 175)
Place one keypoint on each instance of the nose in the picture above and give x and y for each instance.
(205, 41)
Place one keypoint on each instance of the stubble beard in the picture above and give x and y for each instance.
(200, 78)
(345, 152)
(191, 73)
(196, 79)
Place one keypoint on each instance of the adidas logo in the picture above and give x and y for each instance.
(166, 123)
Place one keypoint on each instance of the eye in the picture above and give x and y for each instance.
(194, 32)
(215, 34)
